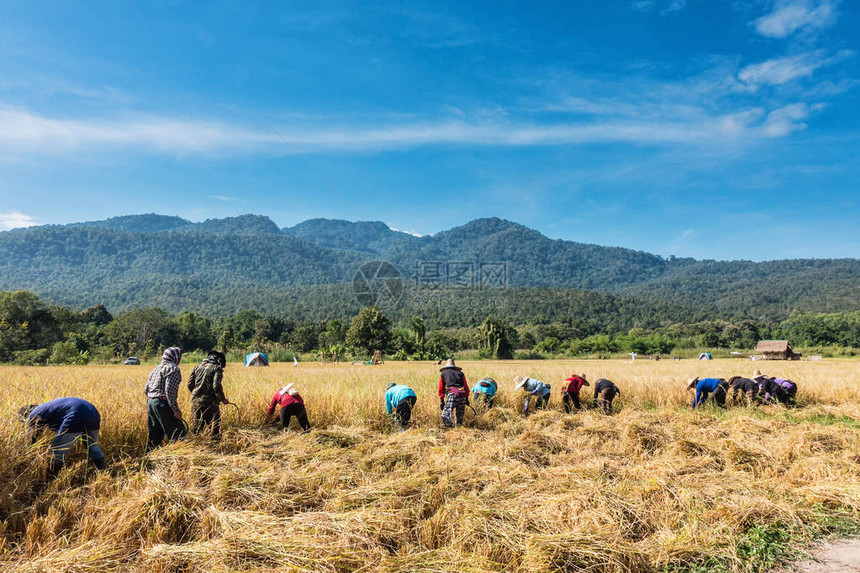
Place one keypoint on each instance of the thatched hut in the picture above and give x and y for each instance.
(776, 350)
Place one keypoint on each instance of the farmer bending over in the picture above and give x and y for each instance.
(744, 386)
(453, 393)
(604, 393)
(207, 393)
(71, 418)
(533, 387)
(164, 418)
(706, 386)
(399, 401)
(292, 404)
(570, 393)
(776, 389)
(485, 391)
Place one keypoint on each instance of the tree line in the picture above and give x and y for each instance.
(33, 331)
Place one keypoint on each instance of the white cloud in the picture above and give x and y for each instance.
(15, 220)
(779, 71)
(790, 16)
(396, 230)
(674, 6)
(643, 5)
(780, 122)
(25, 131)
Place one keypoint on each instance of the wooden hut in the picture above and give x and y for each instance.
(775, 350)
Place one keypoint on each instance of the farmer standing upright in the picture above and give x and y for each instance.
(453, 393)
(207, 393)
(164, 418)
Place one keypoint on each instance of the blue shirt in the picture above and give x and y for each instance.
(489, 390)
(704, 387)
(536, 387)
(62, 415)
(395, 395)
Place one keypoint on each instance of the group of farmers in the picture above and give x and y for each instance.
(453, 392)
(74, 418)
(758, 388)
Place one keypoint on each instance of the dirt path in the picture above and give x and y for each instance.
(832, 557)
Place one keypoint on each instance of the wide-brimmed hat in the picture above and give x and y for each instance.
(519, 382)
(450, 364)
(288, 389)
(692, 383)
(757, 374)
(580, 376)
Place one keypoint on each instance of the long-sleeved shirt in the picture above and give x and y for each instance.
(395, 395)
(486, 386)
(283, 398)
(164, 381)
(575, 384)
(64, 415)
(535, 387)
(704, 387)
(205, 382)
(777, 386)
(452, 378)
(602, 385)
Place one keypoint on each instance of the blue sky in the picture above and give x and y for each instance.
(712, 129)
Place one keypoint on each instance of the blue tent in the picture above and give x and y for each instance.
(705, 356)
(256, 359)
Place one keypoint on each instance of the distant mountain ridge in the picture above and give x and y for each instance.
(142, 260)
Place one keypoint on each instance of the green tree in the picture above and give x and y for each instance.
(495, 339)
(193, 332)
(141, 330)
(370, 330)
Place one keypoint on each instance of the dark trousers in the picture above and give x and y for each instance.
(207, 418)
(720, 395)
(297, 410)
(161, 423)
(403, 412)
(571, 401)
(605, 398)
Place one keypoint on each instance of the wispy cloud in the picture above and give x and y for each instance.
(15, 220)
(24, 132)
(227, 198)
(790, 16)
(674, 6)
(779, 71)
(780, 122)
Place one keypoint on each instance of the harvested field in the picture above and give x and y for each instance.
(655, 487)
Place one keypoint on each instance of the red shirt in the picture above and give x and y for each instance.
(284, 399)
(443, 391)
(575, 384)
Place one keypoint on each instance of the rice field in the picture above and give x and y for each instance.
(655, 487)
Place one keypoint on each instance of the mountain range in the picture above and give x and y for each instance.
(223, 266)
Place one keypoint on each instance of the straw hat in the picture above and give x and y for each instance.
(288, 389)
(582, 376)
(450, 364)
(757, 374)
(692, 383)
(520, 382)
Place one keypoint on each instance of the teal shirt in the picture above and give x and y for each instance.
(395, 395)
